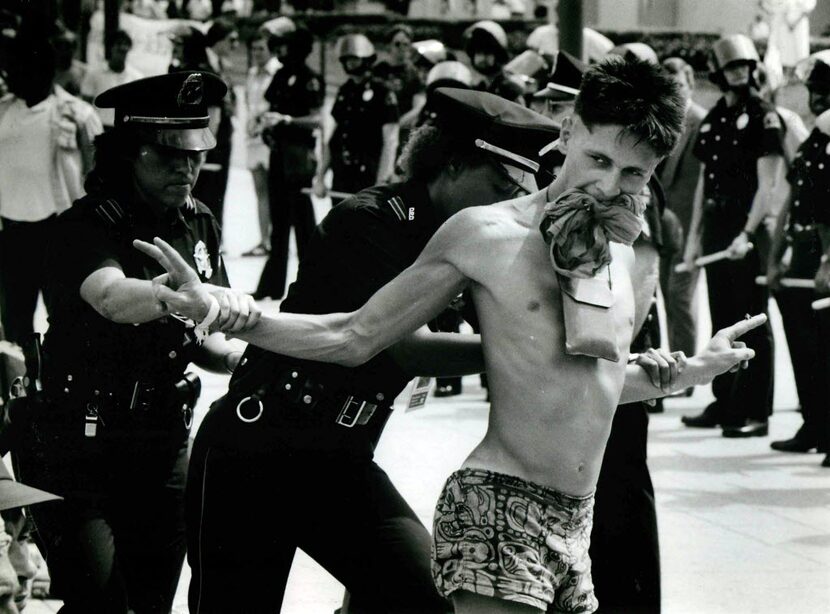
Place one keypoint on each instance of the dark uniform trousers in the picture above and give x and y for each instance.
(733, 293)
(123, 492)
(291, 168)
(625, 552)
(339, 507)
(808, 333)
(22, 273)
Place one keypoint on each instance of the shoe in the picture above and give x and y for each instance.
(447, 391)
(259, 250)
(752, 428)
(794, 444)
(708, 418)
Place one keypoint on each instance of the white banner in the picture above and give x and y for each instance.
(151, 50)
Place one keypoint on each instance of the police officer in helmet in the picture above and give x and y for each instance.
(109, 431)
(739, 146)
(361, 150)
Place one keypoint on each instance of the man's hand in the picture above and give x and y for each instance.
(740, 247)
(662, 367)
(724, 352)
(237, 311)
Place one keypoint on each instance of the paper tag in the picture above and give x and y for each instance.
(420, 392)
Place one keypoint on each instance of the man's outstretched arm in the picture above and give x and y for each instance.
(723, 353)
(405, 303)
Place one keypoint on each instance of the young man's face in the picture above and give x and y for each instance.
(819, 97)
(259, 52)
(736, 74)
(164, 176)
(604, 161)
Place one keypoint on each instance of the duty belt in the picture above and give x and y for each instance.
(303, 393)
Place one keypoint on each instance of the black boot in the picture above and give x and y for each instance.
(708, 418)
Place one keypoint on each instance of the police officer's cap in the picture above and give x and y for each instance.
(732, 48)
(170, 110)
(512, 133)
(563, 83)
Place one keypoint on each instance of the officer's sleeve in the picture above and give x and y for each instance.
(79, 248)
(372, 245)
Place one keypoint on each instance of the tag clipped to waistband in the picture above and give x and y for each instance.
(420, 393)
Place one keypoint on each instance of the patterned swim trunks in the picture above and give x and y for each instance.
(500, 536)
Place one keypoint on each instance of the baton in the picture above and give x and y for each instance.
(822, 303)
(333, 193)
(708, 259)
(789, 282)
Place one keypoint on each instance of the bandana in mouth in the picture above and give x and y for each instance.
(578, 228)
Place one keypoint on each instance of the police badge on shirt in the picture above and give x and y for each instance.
(201, 257)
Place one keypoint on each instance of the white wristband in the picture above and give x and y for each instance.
(212, 314)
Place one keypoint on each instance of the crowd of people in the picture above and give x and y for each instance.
(546, 201)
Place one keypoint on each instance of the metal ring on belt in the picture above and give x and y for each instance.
(239, 410)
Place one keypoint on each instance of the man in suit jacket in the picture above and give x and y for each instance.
(679, 175)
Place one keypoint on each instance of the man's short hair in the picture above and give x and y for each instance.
(676, 66)
(399, 28)
(639, 96)
(430, 148)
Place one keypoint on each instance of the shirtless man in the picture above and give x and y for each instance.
(512, 526)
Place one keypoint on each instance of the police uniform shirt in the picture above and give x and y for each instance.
(729, 143)
(402, 79)
(363, 243)
(361, 109)
(809, 178)
(295, 90)
(97, 233)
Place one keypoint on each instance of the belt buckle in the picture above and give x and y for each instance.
(352, 412)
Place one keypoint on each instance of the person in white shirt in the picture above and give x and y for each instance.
(46, 139)
(263, 67)
(115, 72)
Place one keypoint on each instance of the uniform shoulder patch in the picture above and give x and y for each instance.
(396, 204)
(772, 120)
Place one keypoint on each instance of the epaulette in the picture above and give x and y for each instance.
(112, 214)
(397, 205)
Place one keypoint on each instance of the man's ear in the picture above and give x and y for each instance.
(565, 134)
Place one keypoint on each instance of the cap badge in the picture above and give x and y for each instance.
(202, 258)
(742, 121)
(368, 94)
(191, 91)
(292, 80)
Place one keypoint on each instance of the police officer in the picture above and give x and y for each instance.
(398, 70)
(293, 441)
(109, 431)
(739, 146)
(802, 231)
(295, 95)
(486, 46)
(361, 150)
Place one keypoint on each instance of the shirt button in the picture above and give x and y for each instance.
(711, 175)
(288, 386)
(68, 378)
(821, 164)
(172, 354)
(723, 119)
(703, 141)
(715, 157)
(735, 142)
(800, 182)
(294, 374)
(379, 396)
(307, 399)
(717, 137)
(796, 202)
(808, 163)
